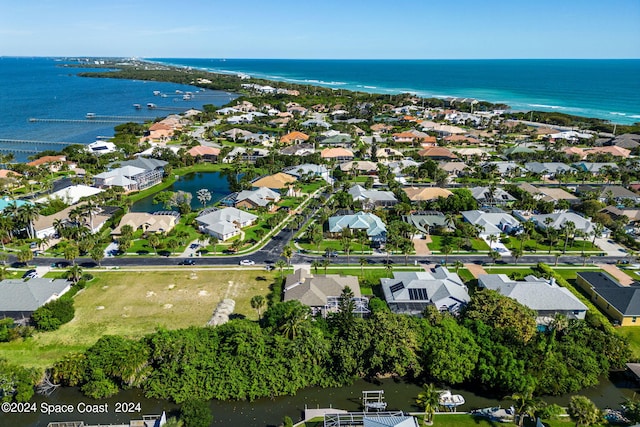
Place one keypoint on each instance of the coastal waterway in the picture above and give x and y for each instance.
(399, 395)
(46, 90)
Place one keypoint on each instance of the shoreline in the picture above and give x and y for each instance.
(524, 105)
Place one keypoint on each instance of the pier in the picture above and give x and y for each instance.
(128, 118)
(84, 121)
(18, 150)
(26, 141)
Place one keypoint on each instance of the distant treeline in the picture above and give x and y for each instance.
(582, 123)
(309, 94)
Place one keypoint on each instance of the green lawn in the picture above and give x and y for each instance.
(136, 303)
(631, 333)
(532, 245)
(468, 420)
(477, 245)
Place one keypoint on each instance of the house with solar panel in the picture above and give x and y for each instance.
(411, 292)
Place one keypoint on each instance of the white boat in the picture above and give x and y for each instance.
(151, 106)
(449, 400)
(156, 92)
(137, 106)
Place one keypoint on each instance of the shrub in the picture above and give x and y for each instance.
(53, 314)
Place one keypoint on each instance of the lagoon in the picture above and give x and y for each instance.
(399, 395)
(191, 183)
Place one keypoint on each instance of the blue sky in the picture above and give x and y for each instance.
(428, 29)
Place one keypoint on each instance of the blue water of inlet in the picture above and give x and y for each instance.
(46, 88)
(606, 89)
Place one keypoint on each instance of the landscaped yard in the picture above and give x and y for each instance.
(136, 303)
(477, 245)
(531, 245)
(632, 333)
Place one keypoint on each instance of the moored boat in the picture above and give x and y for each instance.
(450, 401)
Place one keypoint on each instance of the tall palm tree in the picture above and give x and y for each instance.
(525, 405)
(74, 273)
(569, 228)
(362, 261)
(429, 398)
(316, 264)
(287, 252)
(281, 264)
(258, 303)
(27, 214)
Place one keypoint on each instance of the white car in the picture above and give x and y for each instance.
(247, 262)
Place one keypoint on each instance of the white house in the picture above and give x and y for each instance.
(225, 223)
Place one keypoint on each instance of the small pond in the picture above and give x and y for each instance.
(191, 183)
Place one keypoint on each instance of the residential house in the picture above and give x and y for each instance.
(458, 139)
(360, 167)
(426, 221)
(245, 154)
(437, 153)
(72, 194)
(372, 224)
(309, 171)
(595, 168)
(620, 303)
(51, 163)
(454, 169)
(152, 171)
(612, 150)
(253, 199)
(426, 194)
(490, 196)
(101, 147)
(120, 177)
(276, 181)
(548, 169)
(236, 134)
(492, 223)
(389, 154)
(159, 133)
(381, 128)
(504, 168)
(337, 140)
(322, 292)
(548, 194)
(299, 150)
(372, 198)
(204, 153)
(294, 138)
(630, 141)
(340, 155)
(315, 123)
(570, 136)
(20, 298)
(607, 193)
(9, 178)
(558, 220)
(543, 296)
(147, 222)
(45, 226)
(411, 292)
(224, 223)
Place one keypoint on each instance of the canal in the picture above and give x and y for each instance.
(190, 183)
(399, 395)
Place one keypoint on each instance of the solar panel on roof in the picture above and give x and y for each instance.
(395, 288)
(418, 294)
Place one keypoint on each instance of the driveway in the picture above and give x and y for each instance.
(475, 269)
(619, 275)
(420, 245)
(611, 248)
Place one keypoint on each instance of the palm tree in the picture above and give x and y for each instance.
(492, 239)
(569, 228)
(583, 411)
(281, 264)
(345, 242)
(153, 240)
(204, 196)
(316, 264)
(287, 252)
(597, 231)
(96, 254)
(74, 273)
(458, 264)
(71, 252)
(257, 303)
(517, 253)
(325, 264)
(429, 398)
(446, 250)
(363, 261)
(213, 241)
(27, 214)
(525, 405)
(389, 267)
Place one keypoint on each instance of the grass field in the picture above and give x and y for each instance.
(135, 303)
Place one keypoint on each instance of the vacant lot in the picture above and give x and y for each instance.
(134, 303)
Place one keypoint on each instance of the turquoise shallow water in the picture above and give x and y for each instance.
(607, 89)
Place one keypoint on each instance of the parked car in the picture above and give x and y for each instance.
(30, 274)
(330, 254)
(269, 267)
(247, 262)
(194, 246)
(187, 261)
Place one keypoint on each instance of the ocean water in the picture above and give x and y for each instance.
(606, 89)
(45, 88)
